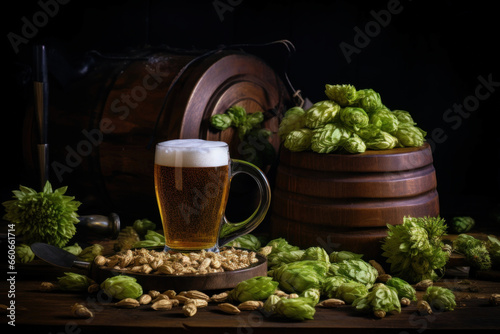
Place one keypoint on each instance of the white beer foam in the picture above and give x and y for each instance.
(192, 153)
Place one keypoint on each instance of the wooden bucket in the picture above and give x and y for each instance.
(344, 201)
(103, 129)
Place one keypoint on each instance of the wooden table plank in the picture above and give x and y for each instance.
(50, 312)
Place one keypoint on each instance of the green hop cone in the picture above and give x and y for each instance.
(329, 138)
(122, 286)
(142, 226)
(89, 253)
(221, 121)
(369, 100)
(256, 288)
(298, 309)
(440, 299)
(387, 120)
(403, 288)
(369, 132)
(238, 115)
(344, 95)
(277, 259)
(353, 118)
(358, 270)
(247, 241)
(493, 247)
(462, 224)
(74, 249)
(295, 277)
(151, 239)
(414, 249)
(47, 216)
(321, 113)
(382, 141)
(254, 119)
(313, 293)
(331, 284)
(344, 255)
(294, 119)
(380, 298)
(316, 253)
(410, 135)
(24, 254)
(269, 307)
(350, 291)
(404, 117)
(298, 140)
(281, 245)
(474, 250)
(354, 144)
(74, 282)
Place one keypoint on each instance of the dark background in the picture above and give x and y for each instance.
(427, 59)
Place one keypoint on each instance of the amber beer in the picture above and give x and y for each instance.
(192, 187)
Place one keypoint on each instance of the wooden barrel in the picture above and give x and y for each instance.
(344, 201)
(103, 129)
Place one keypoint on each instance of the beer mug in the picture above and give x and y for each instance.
(192, 180)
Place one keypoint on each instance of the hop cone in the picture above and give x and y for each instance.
(47, 216)
(256, 288)
(439, 298)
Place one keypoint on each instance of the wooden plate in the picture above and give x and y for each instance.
(212, 281)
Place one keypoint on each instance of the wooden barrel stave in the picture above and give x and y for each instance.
(356, 185)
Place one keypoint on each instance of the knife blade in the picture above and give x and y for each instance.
(58, 257)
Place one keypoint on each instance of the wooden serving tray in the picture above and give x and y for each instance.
(211, 281)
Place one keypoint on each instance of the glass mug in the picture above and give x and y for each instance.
(192, 179)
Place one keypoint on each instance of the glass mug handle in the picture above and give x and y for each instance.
(230, 231)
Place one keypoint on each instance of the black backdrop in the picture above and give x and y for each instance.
(427, 57)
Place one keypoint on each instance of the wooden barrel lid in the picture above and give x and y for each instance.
(219, 82)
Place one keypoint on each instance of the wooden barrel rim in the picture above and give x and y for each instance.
(398, 159)
(356, 185)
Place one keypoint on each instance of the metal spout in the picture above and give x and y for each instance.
(104, 225)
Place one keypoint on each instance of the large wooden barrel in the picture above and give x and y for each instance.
(344, 201)
(103, 128)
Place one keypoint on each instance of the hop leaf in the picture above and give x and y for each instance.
(47, 216)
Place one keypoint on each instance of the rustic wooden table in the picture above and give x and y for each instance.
(49, 312)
